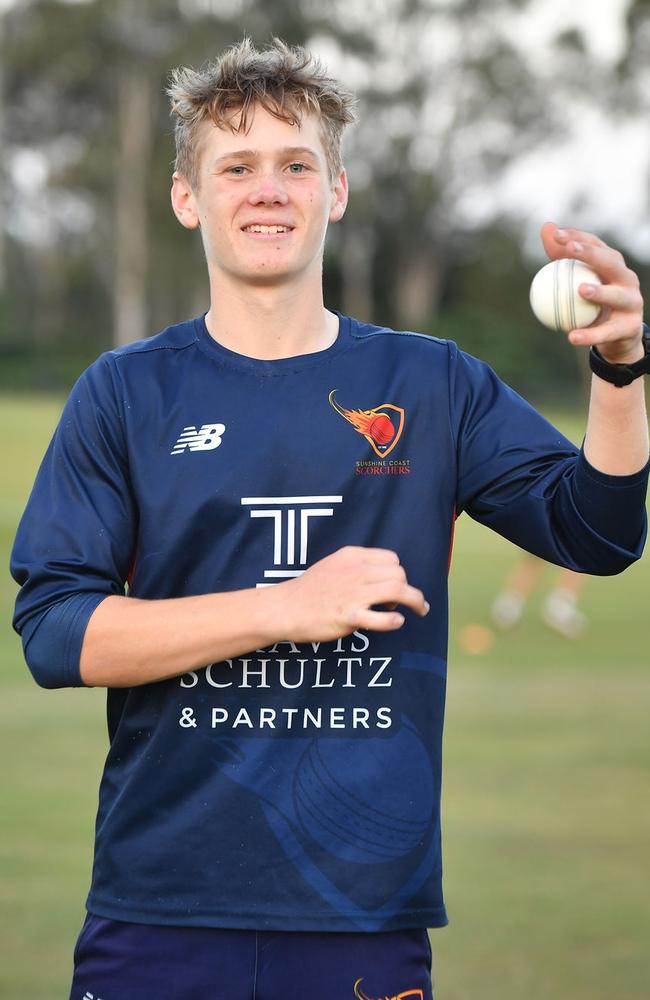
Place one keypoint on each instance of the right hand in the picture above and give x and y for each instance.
(336, 595)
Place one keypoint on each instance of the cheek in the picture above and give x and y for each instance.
(219, 220)
(221, 205)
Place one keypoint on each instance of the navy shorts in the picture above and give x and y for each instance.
(115, 960)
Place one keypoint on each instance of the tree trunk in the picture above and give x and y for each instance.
(356, 271)
(3, 171)
(417, 289)
(49, 291)
(133, 173)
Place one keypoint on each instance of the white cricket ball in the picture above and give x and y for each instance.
(554, 296)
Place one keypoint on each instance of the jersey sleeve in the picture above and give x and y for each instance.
(519, 475)
(76, 539)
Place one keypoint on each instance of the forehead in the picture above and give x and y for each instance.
(265, 134)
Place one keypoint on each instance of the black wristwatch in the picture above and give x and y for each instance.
(620, 375)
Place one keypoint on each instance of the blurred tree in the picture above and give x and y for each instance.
(631, 98)
(86, 98)
(131, 230)
(447, 100)
(633, 94)
(485, 309)
(135, 49)
(87, 93)
(3, 171)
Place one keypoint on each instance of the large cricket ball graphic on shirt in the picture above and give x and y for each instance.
(320, 801)
(336, 808)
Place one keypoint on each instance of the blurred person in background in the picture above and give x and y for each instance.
(559, 609)
(233, 531)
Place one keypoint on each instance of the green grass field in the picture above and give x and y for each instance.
(546, 822)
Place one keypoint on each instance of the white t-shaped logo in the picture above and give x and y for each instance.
(291, 517)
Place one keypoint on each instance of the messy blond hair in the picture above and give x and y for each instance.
(287, 81)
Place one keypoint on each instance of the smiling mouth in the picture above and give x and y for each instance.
(260, 230)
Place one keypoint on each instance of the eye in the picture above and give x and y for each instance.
(298, 168)
(237, 170)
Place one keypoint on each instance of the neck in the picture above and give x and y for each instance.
(270, 322)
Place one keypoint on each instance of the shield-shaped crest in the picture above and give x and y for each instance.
(382, 426)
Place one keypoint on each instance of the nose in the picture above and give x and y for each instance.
(269, 190)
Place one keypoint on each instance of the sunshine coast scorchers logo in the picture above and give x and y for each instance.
(382, 428)
(405, 995)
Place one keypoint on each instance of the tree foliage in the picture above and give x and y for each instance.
(92, 253)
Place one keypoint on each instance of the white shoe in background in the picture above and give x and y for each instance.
(507, 609)
(560, 613)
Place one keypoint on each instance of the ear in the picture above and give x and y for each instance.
(183, 202)
(339, 197)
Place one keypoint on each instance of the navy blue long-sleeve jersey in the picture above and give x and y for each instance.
(297, 786)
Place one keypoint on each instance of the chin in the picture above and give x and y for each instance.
(269, 277)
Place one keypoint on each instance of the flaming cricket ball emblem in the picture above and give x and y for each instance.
(381, 427)
(410, 994)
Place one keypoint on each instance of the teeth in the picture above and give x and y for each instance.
(266, 229)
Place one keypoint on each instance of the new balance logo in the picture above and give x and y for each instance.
(205, 439)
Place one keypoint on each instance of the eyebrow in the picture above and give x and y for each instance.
(251, 154)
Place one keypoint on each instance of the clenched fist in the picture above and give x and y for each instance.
(337, 595)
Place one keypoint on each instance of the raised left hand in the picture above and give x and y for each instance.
(617, 331)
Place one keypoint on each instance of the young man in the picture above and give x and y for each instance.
(278, 483)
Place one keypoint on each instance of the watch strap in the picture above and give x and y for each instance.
(621, 375)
